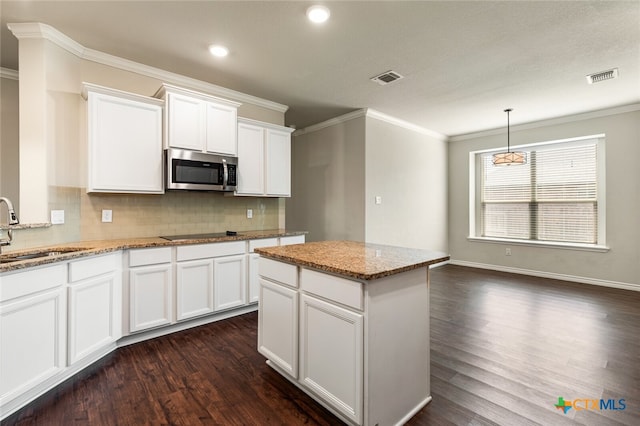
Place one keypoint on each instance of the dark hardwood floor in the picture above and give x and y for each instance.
(504, 347)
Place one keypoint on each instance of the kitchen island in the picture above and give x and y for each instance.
(348, 323)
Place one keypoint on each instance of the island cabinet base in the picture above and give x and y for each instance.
(358, 347)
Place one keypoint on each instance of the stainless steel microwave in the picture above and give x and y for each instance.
(200, 171)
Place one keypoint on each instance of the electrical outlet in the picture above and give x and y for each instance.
(507, 251)
(57, 217)
(378, 199)
(107, 216)
(249, 213)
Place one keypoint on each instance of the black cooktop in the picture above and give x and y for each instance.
(199, 236)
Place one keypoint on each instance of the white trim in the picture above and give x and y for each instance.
(39, 30)
(185, 325)
(552, 275)
(550, 122)
(89, 87)
(8, 73)
(370, 113)
(264, 124)
(543, 244)
(405, 124)
(332, 122)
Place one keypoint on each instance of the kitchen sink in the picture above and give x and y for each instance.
(17, 257)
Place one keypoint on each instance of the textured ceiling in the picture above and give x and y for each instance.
(463, 62)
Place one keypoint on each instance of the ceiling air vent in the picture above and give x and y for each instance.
(386, 77)
(602, 76)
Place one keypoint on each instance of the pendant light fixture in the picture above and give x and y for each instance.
(508, 158)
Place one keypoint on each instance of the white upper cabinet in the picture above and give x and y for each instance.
(199, 122)
(264, 159)
(250, 159)
(124, 141)
(278, 162)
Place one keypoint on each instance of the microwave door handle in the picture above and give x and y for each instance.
(225, 173)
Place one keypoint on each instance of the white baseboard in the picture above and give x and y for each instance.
(553, 275)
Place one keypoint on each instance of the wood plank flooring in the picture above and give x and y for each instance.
(504, 348)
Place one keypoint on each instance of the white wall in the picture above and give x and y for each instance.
(620, 266)
(408, 169)
(328, 182)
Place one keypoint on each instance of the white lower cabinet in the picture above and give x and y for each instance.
(278, 326)
(32, 329)
(360, 348)
(150, 288)
(150, 296)
(331, 354)
(95, 305)
(194, 288)
(229, 282)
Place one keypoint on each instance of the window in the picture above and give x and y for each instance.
(556, 197)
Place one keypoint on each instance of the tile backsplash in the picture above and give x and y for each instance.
(134, 215)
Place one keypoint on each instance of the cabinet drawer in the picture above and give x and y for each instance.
(346, 292)
(295, 239)
(149, 256)
(265, 242)
(278, 271)
(24, 283)
(94, 266)
(203, 251)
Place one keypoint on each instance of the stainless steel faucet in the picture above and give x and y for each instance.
(13, 220)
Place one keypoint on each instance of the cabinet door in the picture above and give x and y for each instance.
(229, 281)
(254, 278)
(194, 288)
(222, 127)
(331, 355)
(185, 122)
(149, 296)
(125, 145)
(278, 326)
(250, 160)
(94, 315)
(33, 336)
(278, 163)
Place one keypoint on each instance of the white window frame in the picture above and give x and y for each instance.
(474, 202)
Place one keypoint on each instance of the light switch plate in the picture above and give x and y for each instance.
(107, 216)
(249, 213)
(378, 199)
(57, 217)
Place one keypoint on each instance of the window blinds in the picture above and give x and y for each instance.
(551, 198)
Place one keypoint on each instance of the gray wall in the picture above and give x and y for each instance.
(328, 180)
(9, 144)
(340, 168)
(408, 170)
(621, 264)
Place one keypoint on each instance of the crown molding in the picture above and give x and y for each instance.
(405, 124)
(551, 122)
(31, 30)
(8, 73)
(332, 122)
(370, 113)
(44, 31)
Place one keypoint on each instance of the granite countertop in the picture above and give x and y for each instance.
(362, 261)
(90, 248)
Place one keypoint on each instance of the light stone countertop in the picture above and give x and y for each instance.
(92, 248)
(362, 261)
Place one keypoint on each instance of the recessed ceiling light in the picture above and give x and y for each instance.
(318, 14)
(218, 50)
